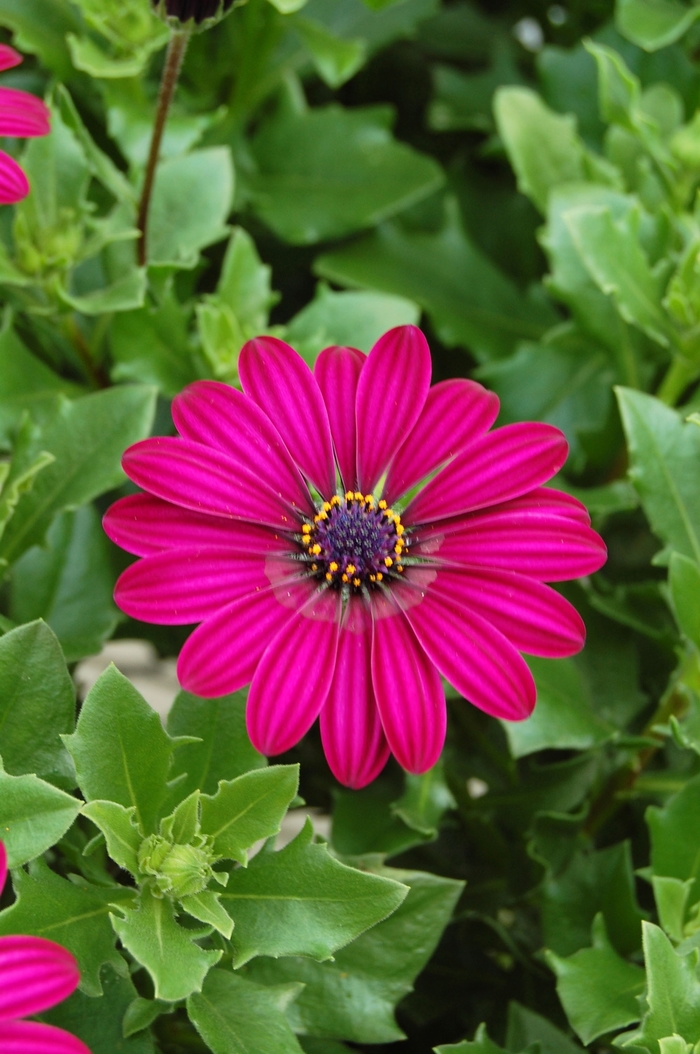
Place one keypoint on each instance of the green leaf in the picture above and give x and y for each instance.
(235, 1016)
(87, 438)
(598, 989)
(368, 821)
(526, 1027)
(74, 914)
(464, 101)
(671, 896)
(126, 294)
(654, 24)
(225, 751)
(25, 382)
(150, 933)
(143, 1012)
(664, 459)
(615, 260)
(120, 750)
(37, 705)
(354, 995)
(152, 346)
(349, 319)
(481, 1044)
(244, 285)
(18, 476)
(98, 1022)
(468, 300)
(69, 583)
(673, 993)
(122, 836)
(247, 809)
(102, 166)
(425, 801)
(330, 171)
(675, 837)
(336, 60)
(601, 881)
(684, 583)
(300, 901)
(201, 218)
(564, 718)
(40, 27)
(33, 816)
(206, 907)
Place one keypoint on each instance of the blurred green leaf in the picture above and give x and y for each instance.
(654, 24)
(33, 815)
(463, 101)
(40, 27)
(152, 346)
(481, 1044)
(235, 1016)
(26, 383)
(98, 1022)
(675, 846)
(684, 583)
(526, 1027)
(335, 60)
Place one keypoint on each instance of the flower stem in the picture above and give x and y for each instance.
(171, 71)
(678, 376)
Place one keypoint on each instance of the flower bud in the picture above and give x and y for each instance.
(179, 870)
(202, 12)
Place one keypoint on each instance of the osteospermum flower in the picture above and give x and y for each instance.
(347, 536)
(35, 974)
(21, 115)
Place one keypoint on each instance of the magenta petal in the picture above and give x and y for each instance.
(535, 618)
(203, 479)
(474, 657)
(144, 525)
(216, 415)
(498, 467)
(408, 690)
(294, 676)
(554, 502)
(14, 185)
(282, 385)
(182, 586)
(455, 414)
(337, 372)
(391, 393)
(351, 729)
(35, 974)
(22, 114)
(30, 1037)
(549, 548)
(222, 654)
(9, 57)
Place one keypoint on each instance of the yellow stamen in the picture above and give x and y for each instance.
(349, 495)
(345, 578)
(327, 506)
(314, 567)
(335, 500)
(306, 528)
(382, 504)
(351, 569)
(398, 548)
(399, 527)
(356, 582)
(388, 561)
(358, 495)
(315, 549)
(380, 576)
(333, 567)
(329, 576)
(369, 498)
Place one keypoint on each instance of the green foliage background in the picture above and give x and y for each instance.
(522, 179)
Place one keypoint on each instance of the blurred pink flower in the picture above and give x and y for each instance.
(21, 115)
(35, 974)
(274, 521)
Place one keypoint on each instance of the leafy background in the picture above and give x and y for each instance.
(521, 178)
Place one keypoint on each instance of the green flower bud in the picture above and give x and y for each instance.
(203, 13)
(179, 870)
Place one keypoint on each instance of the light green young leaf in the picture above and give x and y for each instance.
(98, 1022)
(235, 1016)
(75, 915)
(598, 988)
(654, 24)
(183, 823)
(244, 285)
(201, 218)
(207, 908)
(37, 705)
(354, 996)
(300, 901)
(176, 964)
(330, 171)
(86, 437)
(69, 583)
(247, 809)
(336, 60)
(122, 836)
(664, 459)
(684, 583)
(468, 300)
(120, 750)
(33, 816)
(671, 896)
(225, 751)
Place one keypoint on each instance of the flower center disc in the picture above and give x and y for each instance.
(354, 541)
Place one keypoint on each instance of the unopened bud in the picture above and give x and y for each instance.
(197, 11)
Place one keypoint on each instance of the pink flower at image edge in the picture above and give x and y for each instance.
(35, 974)
(23, 116)
(293, 520)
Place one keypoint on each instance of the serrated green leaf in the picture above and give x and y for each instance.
(98, 1022)
(120, 749)
(75, 915)
(675, 837)
(481, 1044)
(664, 458)
(225, 751)
(183, 823)
(525, 1027)
(176, 964)
(69, 582)
(671, 896)
(33, 816)
(37, 705)
(235, 1016)
(86, 438)
(300, 901)
(123, 838)
(355, 995)
(598, 988)
(206, 907)
(247, 809)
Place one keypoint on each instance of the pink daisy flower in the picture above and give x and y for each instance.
(21, 115)
(346, 536)
(35, 974)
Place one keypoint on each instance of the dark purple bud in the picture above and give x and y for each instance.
(199, 10)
